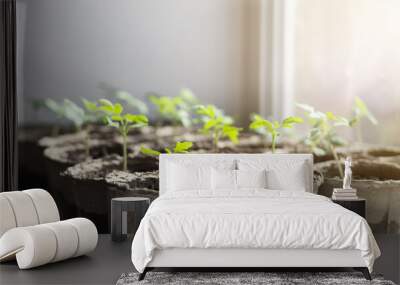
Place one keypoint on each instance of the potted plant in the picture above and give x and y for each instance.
(143, 183)
(216, 125)
(96, 181)
(131, 102)
(322, 138)
(66, 150)
(174, 113)
(360, 112)
(376, 181)
(122, 122)
(274, 129)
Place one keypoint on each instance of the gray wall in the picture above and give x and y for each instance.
(68, 47)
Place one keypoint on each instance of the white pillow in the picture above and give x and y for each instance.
(188, 177)
(227, 179)
(251, 178)
(223, 179)
(281, 174)
(291, 180)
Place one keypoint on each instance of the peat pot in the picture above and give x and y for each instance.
(378, 182)
(31, 165)
(58, 159)
(95, 182)
(372, 152)
(385, 154)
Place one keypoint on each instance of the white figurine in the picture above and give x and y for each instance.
(347, 173)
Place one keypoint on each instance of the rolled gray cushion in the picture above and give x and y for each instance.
(45, 206)
(40, 244)
(26, 208)
(7, 220)
(22, 207)
(87, 235)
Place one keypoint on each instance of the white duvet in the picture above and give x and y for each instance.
(250, 219)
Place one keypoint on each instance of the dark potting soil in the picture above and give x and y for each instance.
(62, 140)
(384, 151)
(363, 169)
(94, 169)
(75, 152)
(93, 183)
(136, 181)
(98, 169)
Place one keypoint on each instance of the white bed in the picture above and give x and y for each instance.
(216, 224)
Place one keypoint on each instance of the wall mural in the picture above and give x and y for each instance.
(109, 148)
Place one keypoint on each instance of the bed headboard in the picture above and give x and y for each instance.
(213, 159)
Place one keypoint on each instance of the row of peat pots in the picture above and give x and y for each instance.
(83, 183)
(377, 179)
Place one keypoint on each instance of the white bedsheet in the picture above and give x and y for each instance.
(250, 219)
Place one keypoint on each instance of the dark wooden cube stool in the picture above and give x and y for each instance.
(119, 215)
(358, 206)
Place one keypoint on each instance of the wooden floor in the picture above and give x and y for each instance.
(110, 260)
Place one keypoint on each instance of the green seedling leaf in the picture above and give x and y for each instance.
(342, 121)
(182, 147)
(337, 141)
(149, 151)
(74, 113)
(216, 124)
(331, 116)
(132, 101)
(117, 118)
(118, 108)
(173, 109)
(315, 134)
(289, 121)
(231, 132)
(208, 111)
(360, 105)
(318, 115)
(259, 122)
(141, 119)
(109, 122)
(184, 117)
(210, 123)
(54, 107)
(106, 102)
(272, 128)
(305, 107)
(89, 105)
(177, 100)
(319, 151)
(188, 97)
(107, 109)
(362, 110)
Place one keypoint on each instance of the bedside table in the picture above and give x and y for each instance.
(358, 206)
(119, 209)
